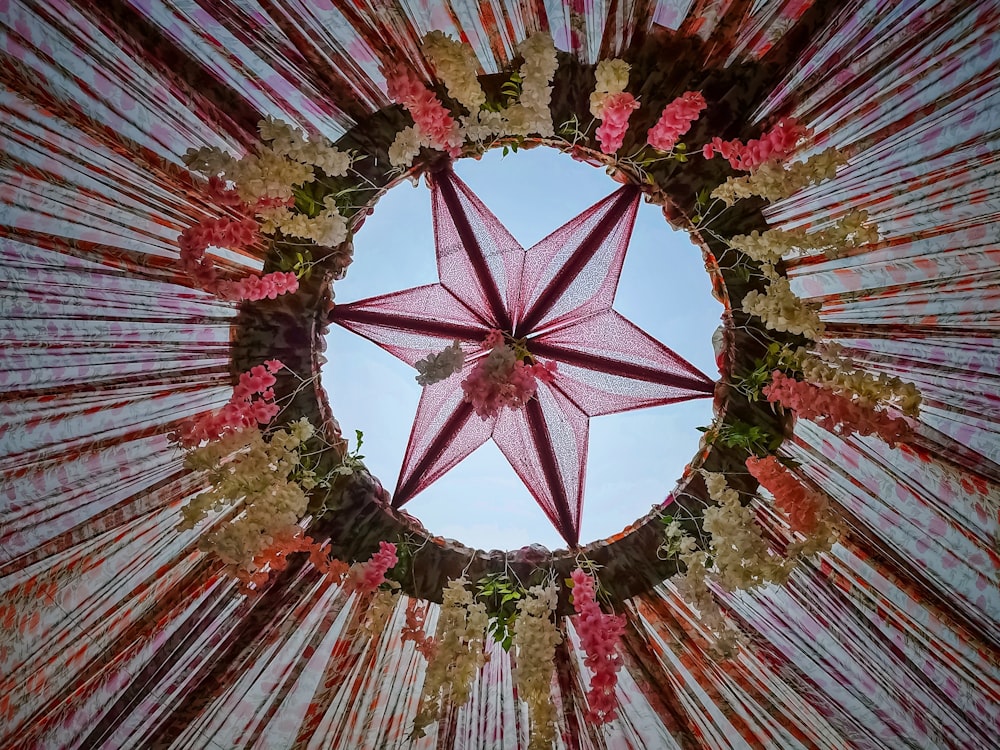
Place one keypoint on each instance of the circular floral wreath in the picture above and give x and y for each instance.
(303, 197)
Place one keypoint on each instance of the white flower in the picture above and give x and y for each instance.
(456, 65)
(406, 146)
(436, 367)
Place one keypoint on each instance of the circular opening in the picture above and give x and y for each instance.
(634, 459)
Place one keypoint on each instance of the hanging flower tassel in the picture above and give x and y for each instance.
(368, 576)
(243, 409)
(611, 104)
(431, 119)
(535, 639)
(676, 120)
(600, 634)
(834, 412)
(234, 235)
(460, 637)
(808, 512)
(776, 144)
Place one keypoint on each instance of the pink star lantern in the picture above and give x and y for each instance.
(557, 298)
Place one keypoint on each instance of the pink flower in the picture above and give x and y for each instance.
(803, 507)
(370, 575)
(501, 380)
(242, 410)
(600, 634)
(834, 412)
(676, 120)
(615, 114)
(428, 113)
(777, 143)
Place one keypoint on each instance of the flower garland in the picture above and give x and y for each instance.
(775, 144)
(737, 544)
(676, 120)
(536, 636)
(807, 511)
(600, 634)
(833, 411)
(259, 476)
(457, 656)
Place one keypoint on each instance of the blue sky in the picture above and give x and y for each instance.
(635, 458)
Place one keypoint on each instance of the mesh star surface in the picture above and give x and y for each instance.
(557, 296)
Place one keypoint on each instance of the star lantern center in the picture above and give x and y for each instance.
(543, 349)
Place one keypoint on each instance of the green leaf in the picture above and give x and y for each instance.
(680, 147)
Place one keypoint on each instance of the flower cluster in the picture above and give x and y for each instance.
(611, 78)
(413, 630)
(273, 170)
(773, 181)
(433, 123)
(611, 104)
(531, 114)
(808, 512)
(782, 310)
(327, 228)
(460, 638)
(535, 637)
(456, 66)
(437, 367)
(290, 143)
(368, 576)
(737, 543)
(842, 376)
(675, 541)
(849, 231)
(600, 634)
(833, 411)
(692, 585)
(775, 144)
(264, 184)
(243, 409)
(255, 475)
(234, 234)
(676, 120)
(502, 379)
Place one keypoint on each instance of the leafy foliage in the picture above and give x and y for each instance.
(500, 595)
(754, 439)
(778, 357)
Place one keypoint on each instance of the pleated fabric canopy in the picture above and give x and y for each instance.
(118, 632)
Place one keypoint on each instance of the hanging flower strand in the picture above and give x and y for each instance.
(676, 120)
(600, 634)
(536, 636)
(611, 104)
